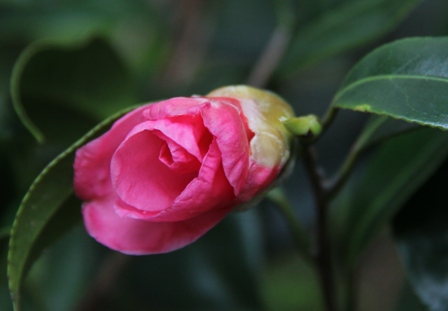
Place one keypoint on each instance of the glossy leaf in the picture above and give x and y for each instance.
(87, 78)
(345, 26)
(406, 79)
(380, 128)
(66, 21)
(395, 171)
(422, 238)
(31, 21)
(63, 272)
(45, 213)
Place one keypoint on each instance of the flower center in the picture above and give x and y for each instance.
(177, 158)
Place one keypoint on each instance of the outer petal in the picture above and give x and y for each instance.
(209, 190)
(179, 106)
(271, 144)
(92, 162)
(259, 179)
(224, 121)
(139, 237)
(264, 112)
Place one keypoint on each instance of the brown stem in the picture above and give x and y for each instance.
(323, 246)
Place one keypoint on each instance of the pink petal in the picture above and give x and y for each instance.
(139, 178)
(177, 159)
(188, 132)
(92, 162)
(222, 118)
(210, 190)
(122, 209)
(179, 106)
(259, 179)
(139, 237)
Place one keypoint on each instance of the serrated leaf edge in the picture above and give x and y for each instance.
(369, 109)
(15, 289)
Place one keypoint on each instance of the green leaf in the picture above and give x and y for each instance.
(407, 80)
(27, 22)
(380, 128)
(346, 26)
(395, 171)
(421, 233)
(8, 55)
(46, 212)
(85, 78)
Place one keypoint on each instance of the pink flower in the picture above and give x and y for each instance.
(167, 172)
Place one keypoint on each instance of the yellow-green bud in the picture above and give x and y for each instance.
(304, 127)
(264, 112)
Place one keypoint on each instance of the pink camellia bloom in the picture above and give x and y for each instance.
(167, 172)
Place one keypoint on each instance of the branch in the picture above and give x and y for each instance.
(323, 246)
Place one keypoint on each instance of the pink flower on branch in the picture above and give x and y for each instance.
(167, 172)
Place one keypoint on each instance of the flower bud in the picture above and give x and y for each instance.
(167, 172)
(264, 111)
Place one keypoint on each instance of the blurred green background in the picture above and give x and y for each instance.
(72, 63)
